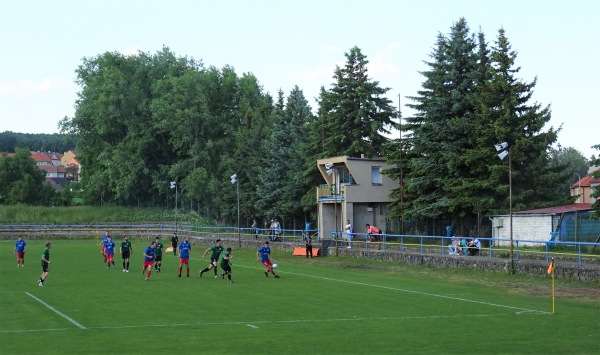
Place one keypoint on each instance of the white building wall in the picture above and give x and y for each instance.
(527, 227)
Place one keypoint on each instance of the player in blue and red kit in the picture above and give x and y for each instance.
(103, 248)
(184, 255)
(264, 256)
(149, 255)
(20, 251)
(109, 249)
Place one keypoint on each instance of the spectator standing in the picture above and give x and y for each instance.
(255, 228)
(349, 232)
(308, 242)
(20, 246)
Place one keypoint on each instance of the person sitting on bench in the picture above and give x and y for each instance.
(474, 245)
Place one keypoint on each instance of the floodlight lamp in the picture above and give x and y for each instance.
(233, 178)
(501, 146)
(173, 184)
(330, 171)
(328, 165)
(503, 154)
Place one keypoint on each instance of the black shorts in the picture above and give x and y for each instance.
(226, 269)
(45, 267)
(214, 261)
(158, 258)
(125, 255)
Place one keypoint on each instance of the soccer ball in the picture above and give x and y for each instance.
(275, 266)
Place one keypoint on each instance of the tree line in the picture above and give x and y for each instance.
(146, 120)
(41, 142)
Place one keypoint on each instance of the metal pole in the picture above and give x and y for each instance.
(238, 208)
(512, 257)
(335, 209)
(176, 196)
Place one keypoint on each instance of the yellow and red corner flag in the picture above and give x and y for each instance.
(551, 267)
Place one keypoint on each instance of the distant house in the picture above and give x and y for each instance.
(67, 157)
(41, 159)
(355, 189)
(53, 171)
(583, 188)
(537, 225)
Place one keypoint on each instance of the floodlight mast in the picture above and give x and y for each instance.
(502, 155)
(234, 180)
(174, 186)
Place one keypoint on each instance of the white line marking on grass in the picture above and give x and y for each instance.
(35, 330)
(414, 292)
(56, 311)
(252, 324)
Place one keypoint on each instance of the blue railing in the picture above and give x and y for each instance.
(153, 230)
(490, 247)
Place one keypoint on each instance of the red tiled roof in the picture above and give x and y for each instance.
(586, 181)
(40, 157)
(559, 209)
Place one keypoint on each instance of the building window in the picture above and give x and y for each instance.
(376, 175)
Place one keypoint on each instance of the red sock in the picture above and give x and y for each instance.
(180, 270)
(148, 274)
(188, 271)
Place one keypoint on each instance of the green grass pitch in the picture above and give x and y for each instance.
(318, 306)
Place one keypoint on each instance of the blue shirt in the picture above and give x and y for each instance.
(150, 252)
(20, 246)
(184, 250)
(264, 253)
(110, 247)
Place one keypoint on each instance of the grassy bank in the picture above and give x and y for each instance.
(21, 214)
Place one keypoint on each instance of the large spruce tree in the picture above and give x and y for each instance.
(356, 114)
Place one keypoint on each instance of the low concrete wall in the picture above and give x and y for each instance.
(565, 267)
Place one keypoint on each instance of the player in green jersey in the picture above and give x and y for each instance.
(126, 251)
(226, 264)
(159, 255)
(45, 264)
(214, 258)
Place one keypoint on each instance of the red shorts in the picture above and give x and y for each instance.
(109, 256)
(102, 250)
(184, 261)
(20, 255)
(148, 264)
(267, 263)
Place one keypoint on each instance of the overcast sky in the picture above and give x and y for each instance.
(287, 43)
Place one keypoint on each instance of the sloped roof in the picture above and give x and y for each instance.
(52, 168)
(559, 209)
(585, 181)
(40, 157)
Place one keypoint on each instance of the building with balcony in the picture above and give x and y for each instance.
(355, 189)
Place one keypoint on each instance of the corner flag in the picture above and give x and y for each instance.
(551, 267)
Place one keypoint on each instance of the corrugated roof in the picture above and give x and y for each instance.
(558, 209)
